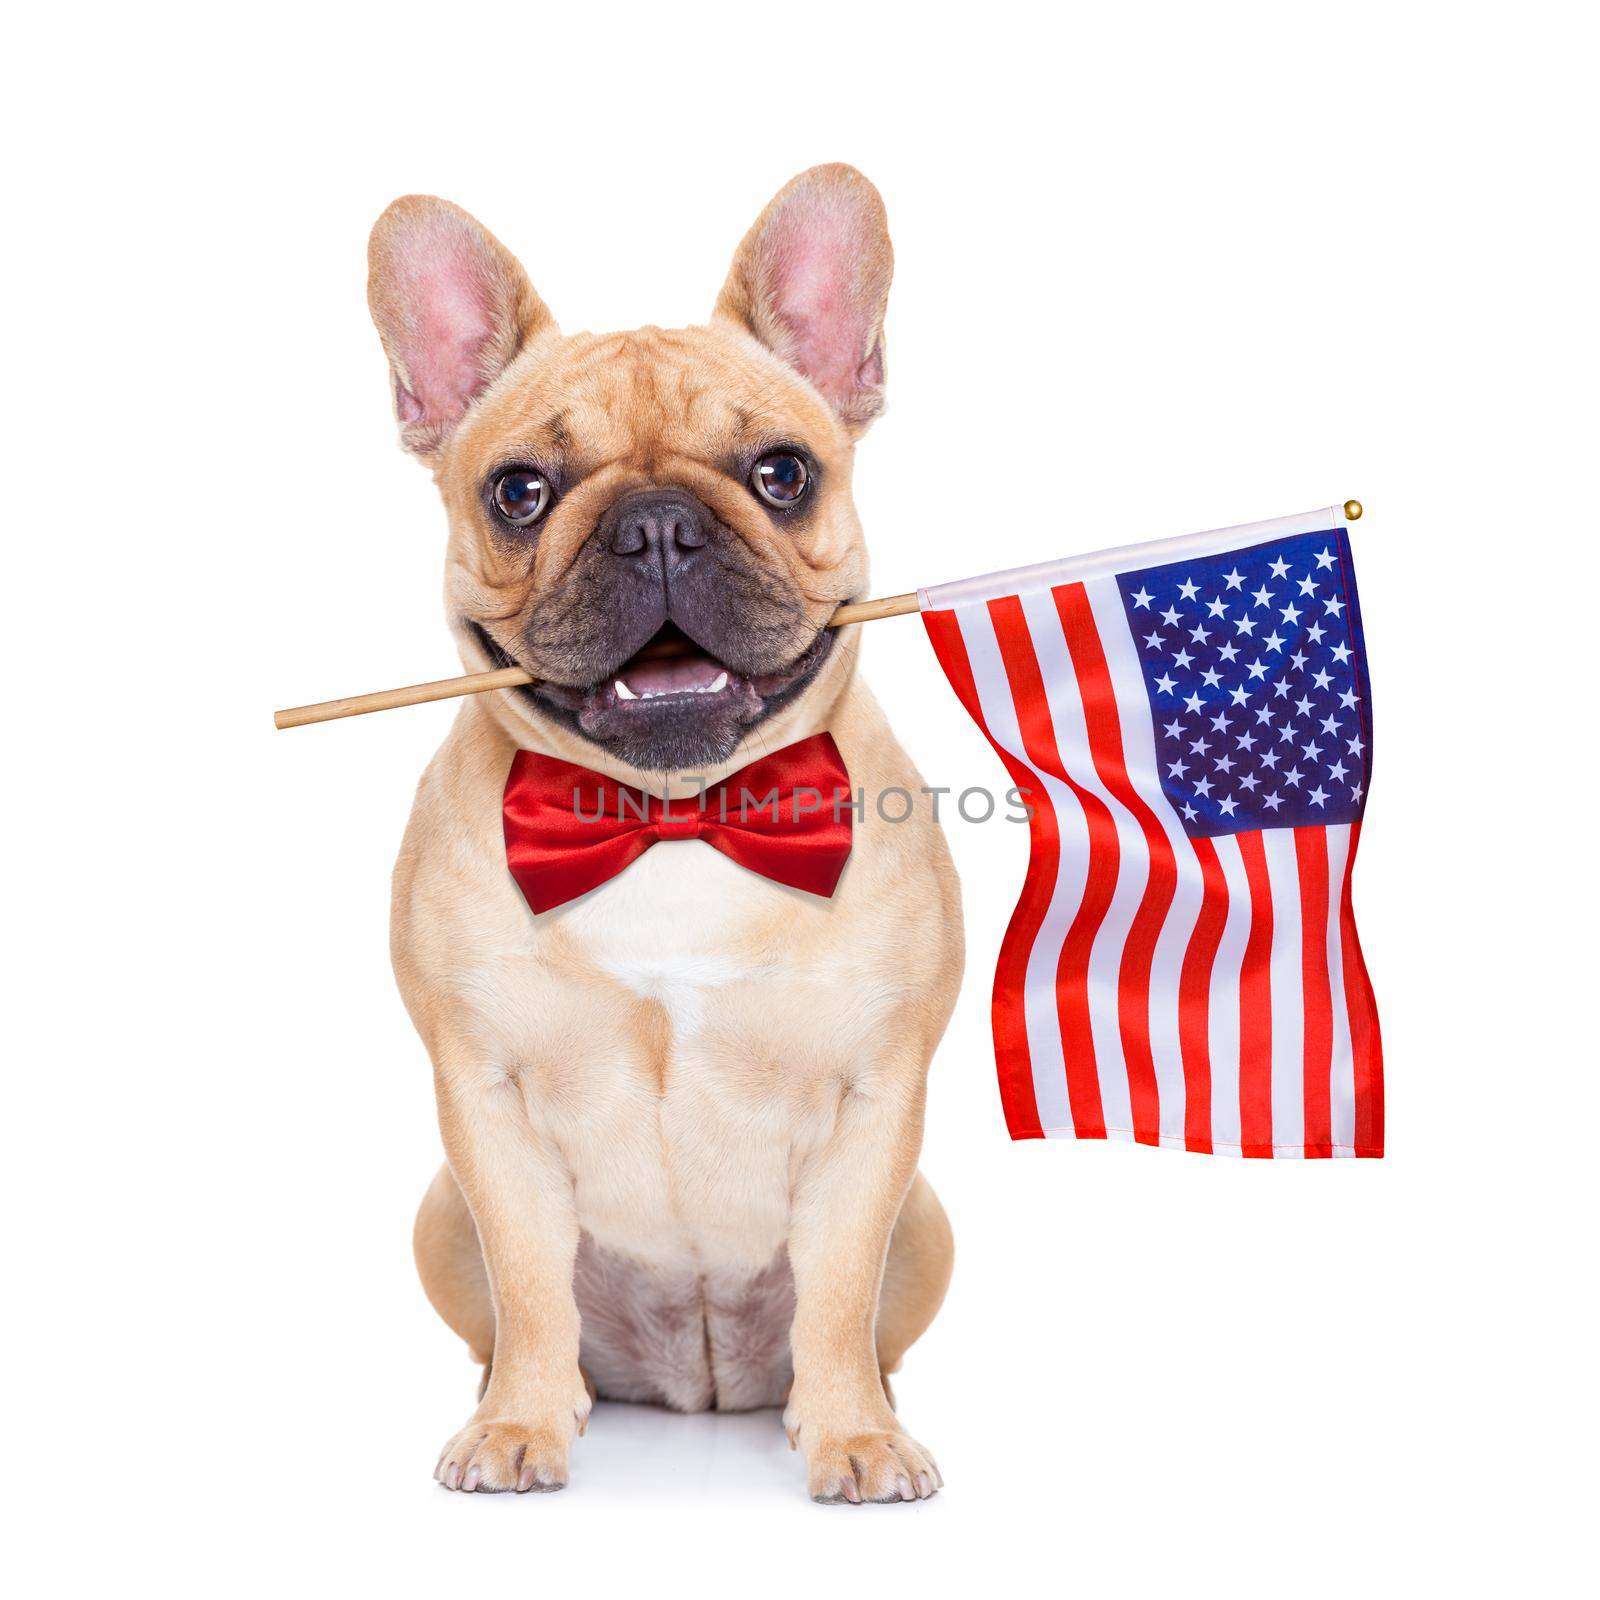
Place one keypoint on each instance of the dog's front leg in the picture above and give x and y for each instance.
(845, 1207)
(520, 1195)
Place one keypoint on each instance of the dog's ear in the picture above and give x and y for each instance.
(453, 308)
(811, 281)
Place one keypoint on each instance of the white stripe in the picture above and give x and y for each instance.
(1224, 1009)
(1342, 1090)
(1139, 752)
(1133, 857)
(1287, 977)
(1042, 1019)
(1153, 553)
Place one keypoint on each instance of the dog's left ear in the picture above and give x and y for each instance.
(811, 282)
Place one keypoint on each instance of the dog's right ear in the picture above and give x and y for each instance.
(453, 307)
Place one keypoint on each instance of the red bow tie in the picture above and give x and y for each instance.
(786, 816)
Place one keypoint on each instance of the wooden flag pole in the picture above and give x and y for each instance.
(416, 694)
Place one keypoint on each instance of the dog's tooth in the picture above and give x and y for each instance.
(717, 683)
(624, 692)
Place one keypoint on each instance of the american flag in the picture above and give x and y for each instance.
(1191, 720)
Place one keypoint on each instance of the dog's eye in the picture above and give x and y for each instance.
(780, 478)
(522, 497)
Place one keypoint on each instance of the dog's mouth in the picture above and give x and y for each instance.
(672, 702)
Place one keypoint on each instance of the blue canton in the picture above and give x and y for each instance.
(1256, 669)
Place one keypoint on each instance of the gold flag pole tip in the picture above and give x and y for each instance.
(1352, 510)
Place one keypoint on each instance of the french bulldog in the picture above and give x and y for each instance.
(681, 1114)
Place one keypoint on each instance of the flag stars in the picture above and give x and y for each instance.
(1285, 765)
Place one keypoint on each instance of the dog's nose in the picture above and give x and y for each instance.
(658, 526)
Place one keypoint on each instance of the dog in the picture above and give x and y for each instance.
(682, 1113)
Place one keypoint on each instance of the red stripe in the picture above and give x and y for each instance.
(1009, 1018)
(1255, 1006)
(1072, 970)
(1194, 999)
(1104, 728)
(1365, 1041)
(1311, 856)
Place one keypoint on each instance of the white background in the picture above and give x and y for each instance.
(1159, 269)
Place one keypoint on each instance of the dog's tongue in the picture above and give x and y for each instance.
(681, 674)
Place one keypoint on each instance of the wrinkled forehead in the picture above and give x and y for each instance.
(644, 399)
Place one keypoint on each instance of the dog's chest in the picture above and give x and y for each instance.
(698, 1065)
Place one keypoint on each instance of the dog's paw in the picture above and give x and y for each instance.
(882, 1466)
(493, 1457)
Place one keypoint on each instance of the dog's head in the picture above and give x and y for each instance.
(656, 524)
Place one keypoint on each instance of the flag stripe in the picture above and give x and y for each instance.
(1194, 997)
(1288, 995)
(1311, 859)
(1255, 1006)
(1366, 1045)
(1227, 973)
(1138, 952)
(1342, 1096)
(1021, 936)
(1143, 774)
(1082, 1047)
(1033, 1015)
